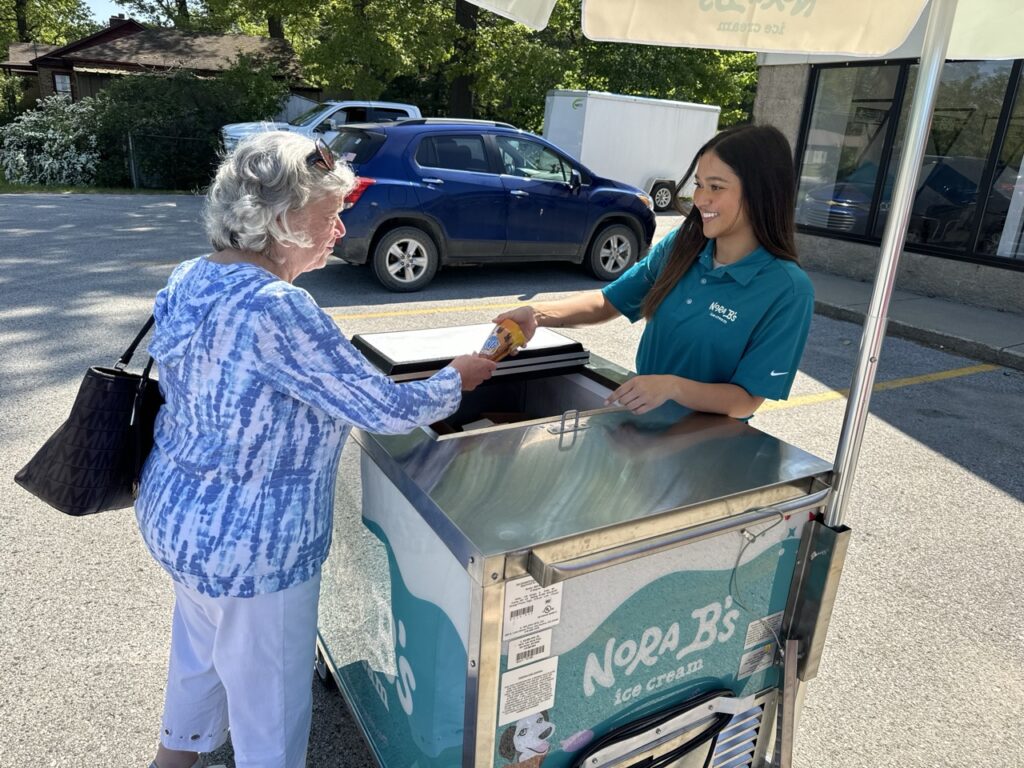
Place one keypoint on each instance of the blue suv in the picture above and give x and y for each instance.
(435, 191)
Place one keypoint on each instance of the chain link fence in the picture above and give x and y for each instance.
(171, 162)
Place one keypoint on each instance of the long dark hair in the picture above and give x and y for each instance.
(761, 157)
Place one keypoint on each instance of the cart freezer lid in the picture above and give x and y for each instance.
(506, 491)
(405, 355)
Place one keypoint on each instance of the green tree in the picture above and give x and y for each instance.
(448, 59)
(519, 66)
(361, 47)
(11, 93)
(53, 22)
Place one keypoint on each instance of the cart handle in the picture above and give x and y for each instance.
(547, 573)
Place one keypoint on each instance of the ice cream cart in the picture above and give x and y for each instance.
(542, 580)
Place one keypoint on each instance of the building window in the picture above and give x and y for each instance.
(844, 147)
(62, 85)
(967, 108)
(969, 201)
(1002, 228)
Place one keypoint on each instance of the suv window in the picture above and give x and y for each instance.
(521, 157)
(354, 145)
(456, 153)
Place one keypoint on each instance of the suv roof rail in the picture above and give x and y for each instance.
(455, 120)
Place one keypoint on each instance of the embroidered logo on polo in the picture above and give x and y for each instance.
(722, 314)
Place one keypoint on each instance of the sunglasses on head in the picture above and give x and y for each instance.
(321, 156)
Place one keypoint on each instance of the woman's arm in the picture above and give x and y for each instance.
(300, 352)
(587, 308)
(645, 393)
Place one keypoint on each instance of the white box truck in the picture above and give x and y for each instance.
(648, 143)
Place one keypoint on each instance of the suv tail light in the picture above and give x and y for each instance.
(353, 197)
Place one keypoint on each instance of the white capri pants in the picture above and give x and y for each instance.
(243, 663)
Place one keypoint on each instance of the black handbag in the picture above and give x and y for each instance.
(93, 461)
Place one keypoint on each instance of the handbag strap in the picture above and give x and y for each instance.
(127, 356)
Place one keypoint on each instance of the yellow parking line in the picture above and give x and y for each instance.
(426, 311)
(838, 394)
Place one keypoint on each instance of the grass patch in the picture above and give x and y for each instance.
(10, 188)
(7, 188)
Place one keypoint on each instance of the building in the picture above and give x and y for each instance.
(846, 119)
(81, 68)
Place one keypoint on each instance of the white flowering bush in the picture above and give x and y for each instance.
(53, 144)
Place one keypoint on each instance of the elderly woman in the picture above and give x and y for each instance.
(235, 503)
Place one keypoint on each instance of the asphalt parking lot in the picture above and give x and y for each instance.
(924, 666)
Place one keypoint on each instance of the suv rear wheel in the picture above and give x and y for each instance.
(405, 259)
(612, 251)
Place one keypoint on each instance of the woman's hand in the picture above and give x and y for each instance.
(524, 317)
(473, 369)
(644, 393)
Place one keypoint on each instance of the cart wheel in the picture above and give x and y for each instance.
(661, 195)
(323, 672)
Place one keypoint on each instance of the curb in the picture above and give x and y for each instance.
(1009, 357)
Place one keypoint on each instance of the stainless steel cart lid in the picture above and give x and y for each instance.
(405, 355)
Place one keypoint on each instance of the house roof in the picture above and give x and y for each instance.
(170, 48)
(20, 55)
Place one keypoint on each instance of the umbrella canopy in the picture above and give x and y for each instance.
(983, 29)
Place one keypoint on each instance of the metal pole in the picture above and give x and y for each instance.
(131, 162)
(933, 54)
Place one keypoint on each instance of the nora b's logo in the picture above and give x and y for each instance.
(716, 623)
(723, 314)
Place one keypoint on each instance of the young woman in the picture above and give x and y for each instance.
(727, 307)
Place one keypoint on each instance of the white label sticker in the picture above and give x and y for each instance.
(756, 660)
(529, 648)
(763, 630)
(529, 607)
(527, 690)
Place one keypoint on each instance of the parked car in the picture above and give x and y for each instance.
(441, 191)
(324, 120)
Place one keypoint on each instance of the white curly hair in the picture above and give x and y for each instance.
(267, 175)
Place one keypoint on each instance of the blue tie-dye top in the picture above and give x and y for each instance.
(261, 391)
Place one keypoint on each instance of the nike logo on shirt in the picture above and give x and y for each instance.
(778, 373)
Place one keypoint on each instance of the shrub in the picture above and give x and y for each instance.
(11, 92)
(51, 144)
(174, 122)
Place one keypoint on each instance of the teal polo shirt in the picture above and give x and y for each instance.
(744, 323)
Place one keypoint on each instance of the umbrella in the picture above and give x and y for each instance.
(978, 29)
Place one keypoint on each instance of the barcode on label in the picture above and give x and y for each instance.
(521, 657)
(521, 612)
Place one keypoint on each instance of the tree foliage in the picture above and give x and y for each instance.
(53, 22)
(413, 50)
(516, 67)
(11, 94)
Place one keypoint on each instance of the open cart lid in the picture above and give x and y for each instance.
(405, 355)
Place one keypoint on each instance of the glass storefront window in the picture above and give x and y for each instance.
(967, 108)
(844, 147)
(1002, 228)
